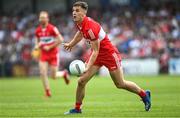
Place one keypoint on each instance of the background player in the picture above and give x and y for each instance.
(48, 40)
(103, 53)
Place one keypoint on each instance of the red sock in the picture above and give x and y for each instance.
(48, 92)
(78, 105)
(142, 93)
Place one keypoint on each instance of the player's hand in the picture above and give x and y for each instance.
(35, 53)
(67, 46)
(47, 48)
(37, 46)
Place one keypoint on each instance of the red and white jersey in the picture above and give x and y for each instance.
(46, 36)
(91, 31)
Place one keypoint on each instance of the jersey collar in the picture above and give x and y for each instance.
(44, 27)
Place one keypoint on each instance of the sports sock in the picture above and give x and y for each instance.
(78, 106)
(60, 73)
(48, 92)
(142, 93)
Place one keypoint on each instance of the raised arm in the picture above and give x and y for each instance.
(77, 38)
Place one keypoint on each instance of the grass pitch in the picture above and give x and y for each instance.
(23, 97)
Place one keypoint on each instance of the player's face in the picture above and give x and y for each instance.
(78, 13)
(43, 18)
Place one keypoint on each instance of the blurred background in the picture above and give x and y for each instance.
(146, 32)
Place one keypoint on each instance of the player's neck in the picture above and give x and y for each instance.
(44, 25)
(80, 21)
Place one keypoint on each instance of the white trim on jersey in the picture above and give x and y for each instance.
(116, 59)
(101, 34)
(91, 34)
(46, 40)
(58, 60)
(56, 30)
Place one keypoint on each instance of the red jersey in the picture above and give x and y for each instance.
(108, 54)
(46, 36)
(91, 31)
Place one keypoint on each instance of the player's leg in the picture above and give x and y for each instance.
(53, 70)
(55, 74)
(43, 66)
(80, 91)
(63, 74)
(118, 79)
(54, 62)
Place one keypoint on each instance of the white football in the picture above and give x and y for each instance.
(76, 67)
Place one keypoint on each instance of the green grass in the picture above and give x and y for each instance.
(24, 98)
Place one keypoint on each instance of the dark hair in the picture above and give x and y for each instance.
(82, 4)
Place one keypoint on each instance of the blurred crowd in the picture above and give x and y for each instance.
(152, 33)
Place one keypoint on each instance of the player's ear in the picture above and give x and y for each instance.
(84, 11)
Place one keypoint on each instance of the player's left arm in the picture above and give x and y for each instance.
(58, 39)
(95, 45)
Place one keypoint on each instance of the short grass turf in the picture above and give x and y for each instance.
(23, 97)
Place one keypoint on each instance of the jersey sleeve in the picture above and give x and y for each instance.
(36, 33)
(93, 31)
(55, 31)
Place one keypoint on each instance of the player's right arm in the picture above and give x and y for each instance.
(36, 50)
(77, 38)
(37, 41)
(37, 45)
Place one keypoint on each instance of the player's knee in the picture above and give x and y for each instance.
(42, 73)
(53, 77)
(81, 82)
(120, 85)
